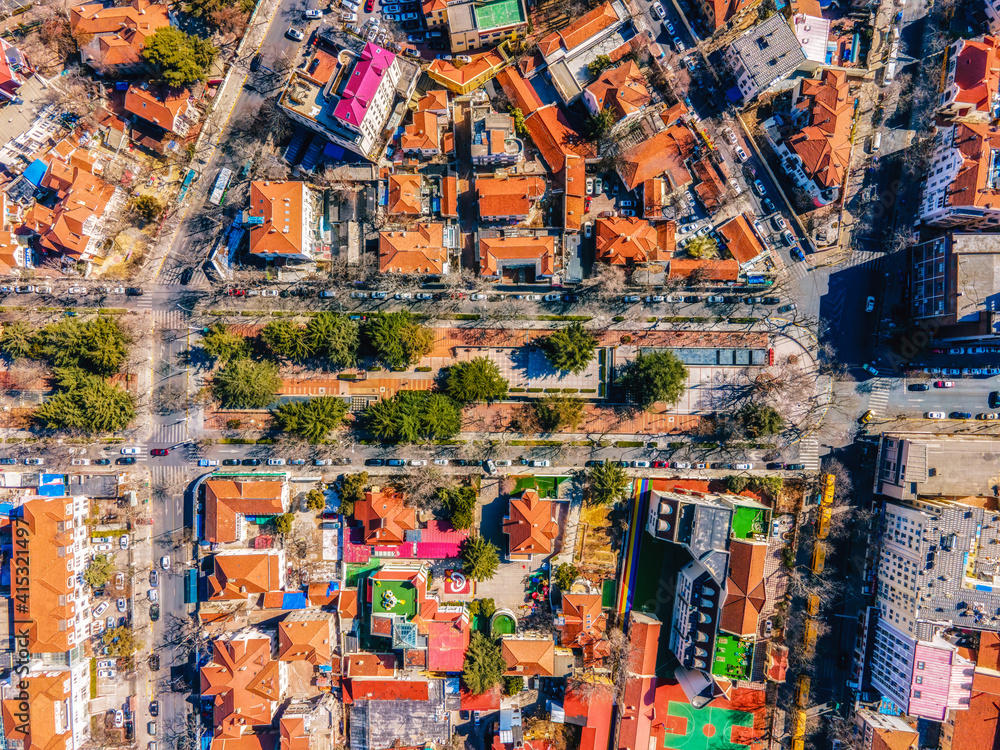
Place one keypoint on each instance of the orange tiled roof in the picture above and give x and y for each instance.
(528, 657)
(369, 665)
(555, 137)
(429, 6)
(511, 196)
(449, 197)
(977, 73)
(243, 682)
(294, 733)
(383, 517)
(710, 270)
(423, 134)
(726, 10)
(583, 620)
(404, 194)
(306, 637)
(225, 499)
(497, 252)
(529, 525)
(521, 93)
(652, 198)
(158, 106)
(64, 229)
(584, 28)
(745, 588)
(574, 180)
(281, 205)
(121, 31)
(627, 240)
(741, 242)
(47, 720)
(710, 188)
(418, 251)
(622, 89)
(463, 75)
(256, 572)
(434, 101)
(824, 145)
(664, 153)
(51, 611)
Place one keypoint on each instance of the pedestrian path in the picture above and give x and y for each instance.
(173, 477)
(878, 399)
(170, 320)
(169, 433)
(809, 453)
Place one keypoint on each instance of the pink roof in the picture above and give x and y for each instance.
(363, 83)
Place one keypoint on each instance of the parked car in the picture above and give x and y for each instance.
(154, 708)
(295, 34)
(154, 578)
(641, 464)
(961, 415)
(101, 609)
(154, 612)
(154, 665)
(918, 387)
(165, 562)
(944, 384)
(208, 462)
(313, 13)
(275, 462)
(990, 415)
(123, 541)
(34, 461)
(542, 464)
(80, 462)
(744, 467)
(740, 153)
(230, 462)
(130, 451)
(869, 304)
(160, 452)
(152, 595)
(121, 603)
(787, 308)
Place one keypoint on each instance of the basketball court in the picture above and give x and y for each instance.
(689, 728)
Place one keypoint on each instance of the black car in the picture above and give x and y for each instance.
(374, 462)
(129, 731)
(994, 399)
(692, 298)
(251, 462)
(461, 462)
(154, 612)
(961, 415)
(154, 662)
(8, 461)
(230, 462)
(778, 465)
(768, 205)
(102, 461)
(133, 291)
(570, 298)
(771, 300)
(919, 387)
(125, 461)
(795, 467)
(593, 463)
(154, 708)
(187, 275)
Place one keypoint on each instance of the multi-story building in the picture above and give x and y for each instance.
(284, 221)
(962, 188)
(879, 731)
(476, 24)
(424, 249)
(521, 259)
(632, 241)
(347, 94)
(622, 89)
(52, 623)
(228, 504)
(113, 37)
(816, 156)
(494, 141)
(977, 725)
(507, 199)
(763, 56)
(971, 81)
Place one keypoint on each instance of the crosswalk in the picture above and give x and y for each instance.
(170, 320)
(870, 259)
(169, 433)
(878, 398)
(174, 477)
(809, 453)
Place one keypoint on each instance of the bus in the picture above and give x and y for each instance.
(823, 523)
(191, 586)
(802, 695)
(819, 559)
(221, 186)
(829, 485)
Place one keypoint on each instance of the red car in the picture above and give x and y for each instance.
(369, 6)
(944, 384)
(659, 464)
(159, 452)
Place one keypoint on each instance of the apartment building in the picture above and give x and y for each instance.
(962, 187)
(971, 79)
(170, 110)
(763, 56)
(476, 24)
(284, 219)
(622, 89)
(228, 504)
(424, 249)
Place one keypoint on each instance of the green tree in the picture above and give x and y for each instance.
(519, 127)
(121, 642)
(652, 378)
(99, 571)
(487, 608)
(283, 523)
(180, 59)
(315, 500)
(287, 340)
(569, 349)
(598, 126)
(565, 574)
(599, 64)
(606, 483)
(85, 402)
(98, 346)
(352, 490)
(312, 420)
(736, 483)
(335, 337)
(474, 381)
(555, 412)
(484, 664)
(412, 416)
(398, 339)
(460, 503)
(702, 247)
(222, 344)
(759, 420)
(146, 207)
(246, 384)
(480, 558)
(513, 685)
(205, 8)
(17, 340)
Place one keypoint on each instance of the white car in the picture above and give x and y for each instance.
(731, 137)
(740, 153)
(479, 296)
(269, 293)
(655, 298)
(503, 462)
(736, 186)
(641, 464)
(123, 541)
(935, 415)
(314, 13)
(680, 465)
(957, 350)
(107, 664)
(118, 290)
(380, 295)
(43, 290)
(403, 295)
(322, 462)
(551, 298)
(275, 462)
(107, 674)
(103, 547)
(359, 295)
(295, 34)
(440, 461)
(744, 467)
(870, 304)
(541, 463)
(165, 562)
(119, 718)
(80, 462)
(77, 290)
(425, 295)
(418, 462)
(152, 595)
(121, 604)
(130, 451)
(101, 609)
(34, 461)
(630, 298)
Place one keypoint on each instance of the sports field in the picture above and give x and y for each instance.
(689, 728)
(498, 13)
(732, 657)
(405, 598)
(547, 487)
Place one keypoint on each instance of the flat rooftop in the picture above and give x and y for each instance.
(491, 15)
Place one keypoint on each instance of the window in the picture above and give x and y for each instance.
(920, 680)
(916, 693)
(920, 665)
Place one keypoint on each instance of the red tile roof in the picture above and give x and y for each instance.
(637, 710)
(824, 144)
(574, 181)
(529, 526)
(511, 196)
(418, 251)
(383, 517)
(423, 134)
(555, 137)
(520, 92)
(280, 204)
(621, 89)
(448, 636)
(777, 662)
(593, 711)
(306, 637)
(664, 153)
(369, 665)
(404, 194)
(242, 575)
(385, 690)
(709, 270)
(449, 197)
(120, 31)
(435, 100)
(243, 682)
(247, 742)
(590, 24)
(82, 197)
(497, 252)
(525, 656)
(43, 716)
(725, 10)
(627, 240)
(741, 241)
(745, 595)
(225, 499)
(488, 701)
(155, 105)
(977, 73)
(583, 620)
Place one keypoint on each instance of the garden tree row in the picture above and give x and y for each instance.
(569, 349)
(654, 378)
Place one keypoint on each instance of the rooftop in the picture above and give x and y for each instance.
(360, 88)
(768, 51)
(420, 250)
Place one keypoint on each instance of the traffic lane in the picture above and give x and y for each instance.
(966, 395)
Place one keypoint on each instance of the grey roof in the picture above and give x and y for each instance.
(18, 118)
(378, 724)
(768, 51)
(461, 17)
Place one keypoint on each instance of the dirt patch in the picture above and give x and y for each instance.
(300, 680)
(596, 556)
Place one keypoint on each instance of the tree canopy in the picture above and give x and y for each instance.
(246, 384)
(652, 378)
(759, 420)
(334, 336)
(222, 344)
(570, 349)
(460, 503)
(179, 58)
(565, 574)
(17, 340)
(85, 402)
(413, 416)
(484, 664)
(474, 381)
(283, 523)
(556, 412)
(352, 490)
(315, 500)
(286, 340)
(312, 420)
(121, 642)
(599, 64)
(98, 571)
(98, 346)
(606, 483)
(397, 339)
(480, 558)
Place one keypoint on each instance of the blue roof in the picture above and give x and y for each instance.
(294, 600)
(35, 172)
(52, 485)
(333, 150)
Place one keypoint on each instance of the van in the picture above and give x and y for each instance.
(151, 729)
(433, 34)
(327, 293)
(348, 17)
(876, 142)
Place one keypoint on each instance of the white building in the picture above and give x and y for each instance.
(962, 188)
(763, 56)
(971, 79)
